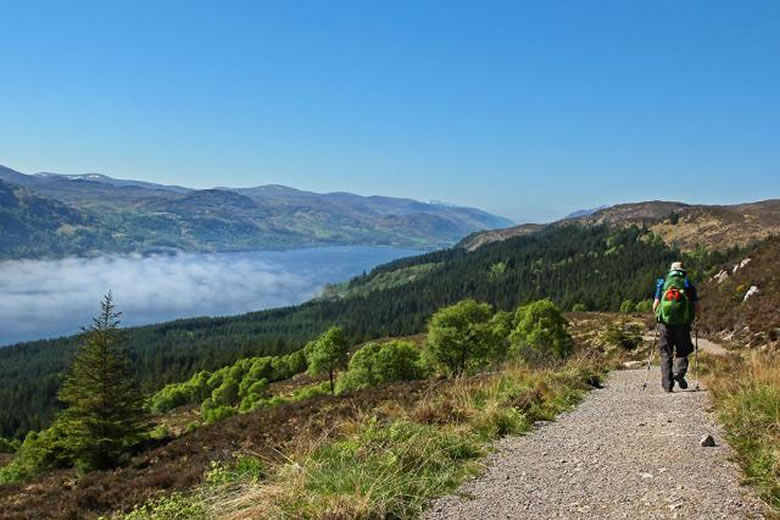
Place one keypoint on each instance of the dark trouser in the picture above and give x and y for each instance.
(674, 341)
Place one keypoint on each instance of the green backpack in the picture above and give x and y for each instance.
(676, 307)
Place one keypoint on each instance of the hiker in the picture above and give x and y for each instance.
(676, 307)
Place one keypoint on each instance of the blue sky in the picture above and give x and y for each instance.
(527, 109)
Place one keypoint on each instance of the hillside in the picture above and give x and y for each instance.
(147, 217)
(685, 226)
(571, 264)
(32, 226)
(741, 300)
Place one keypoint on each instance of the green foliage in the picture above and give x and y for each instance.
(579, 307)
(242, 468)
(462, 336)
(9, 445)
(375, 364)
(160, 432)
(226, 394)
(104, 414)
(211, 413)
(220, 386)
(176, 506)
(327, 354)
(540, 333)
(644, 305)
(256, 392)
(38, 453)
(627, 306)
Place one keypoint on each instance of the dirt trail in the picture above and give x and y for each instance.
(624, 453)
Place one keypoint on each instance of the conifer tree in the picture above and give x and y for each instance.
(104, 414)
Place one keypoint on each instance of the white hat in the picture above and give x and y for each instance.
(676, 266)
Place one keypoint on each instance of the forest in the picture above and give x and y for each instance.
(595, 267)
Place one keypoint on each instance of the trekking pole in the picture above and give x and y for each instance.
(696, 354)
(650, 358)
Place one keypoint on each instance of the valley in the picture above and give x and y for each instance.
(228, 395)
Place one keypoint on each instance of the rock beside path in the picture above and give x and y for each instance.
(624, 453)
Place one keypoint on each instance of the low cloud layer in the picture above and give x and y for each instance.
(51, 298)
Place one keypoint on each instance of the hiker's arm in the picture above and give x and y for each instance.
(655, 304)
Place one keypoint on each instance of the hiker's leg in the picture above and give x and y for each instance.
(683, 348)
(665, 345)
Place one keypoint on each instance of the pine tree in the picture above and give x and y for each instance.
(104, 413)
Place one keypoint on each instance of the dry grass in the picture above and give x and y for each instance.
(747, 397)
(389, 463)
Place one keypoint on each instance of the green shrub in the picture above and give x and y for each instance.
(579, 307)
(40, 452)
(256, 392)
(212, 415)
(245, 372)
(307, 392)
(627, 306)
(644, 306)
(375, 364)
(540, 333)
(462, 336)
(226, 394)
(9, 445)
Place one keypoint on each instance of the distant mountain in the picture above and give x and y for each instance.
(105, 179)
(686, 226)
(584, 212)
(137, 216)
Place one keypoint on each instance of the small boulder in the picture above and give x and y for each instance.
(753, 290)
(707, 441)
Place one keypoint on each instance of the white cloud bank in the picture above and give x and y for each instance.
(45, 298)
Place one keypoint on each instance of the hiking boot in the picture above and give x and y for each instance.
(668, 390)
(680, 378)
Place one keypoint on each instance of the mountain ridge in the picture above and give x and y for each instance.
(140, 217)
(683, 225)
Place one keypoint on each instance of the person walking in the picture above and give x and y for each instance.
(676, 307)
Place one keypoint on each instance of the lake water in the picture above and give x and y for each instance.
(48, 298)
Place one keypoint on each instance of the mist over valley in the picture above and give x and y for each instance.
(48, 298)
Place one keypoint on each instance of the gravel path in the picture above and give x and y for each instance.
(623, 453)
(705, 345)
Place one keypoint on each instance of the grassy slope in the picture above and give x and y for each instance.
(387, 462)
(427, 415)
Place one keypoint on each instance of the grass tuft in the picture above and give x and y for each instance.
(747, 398)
